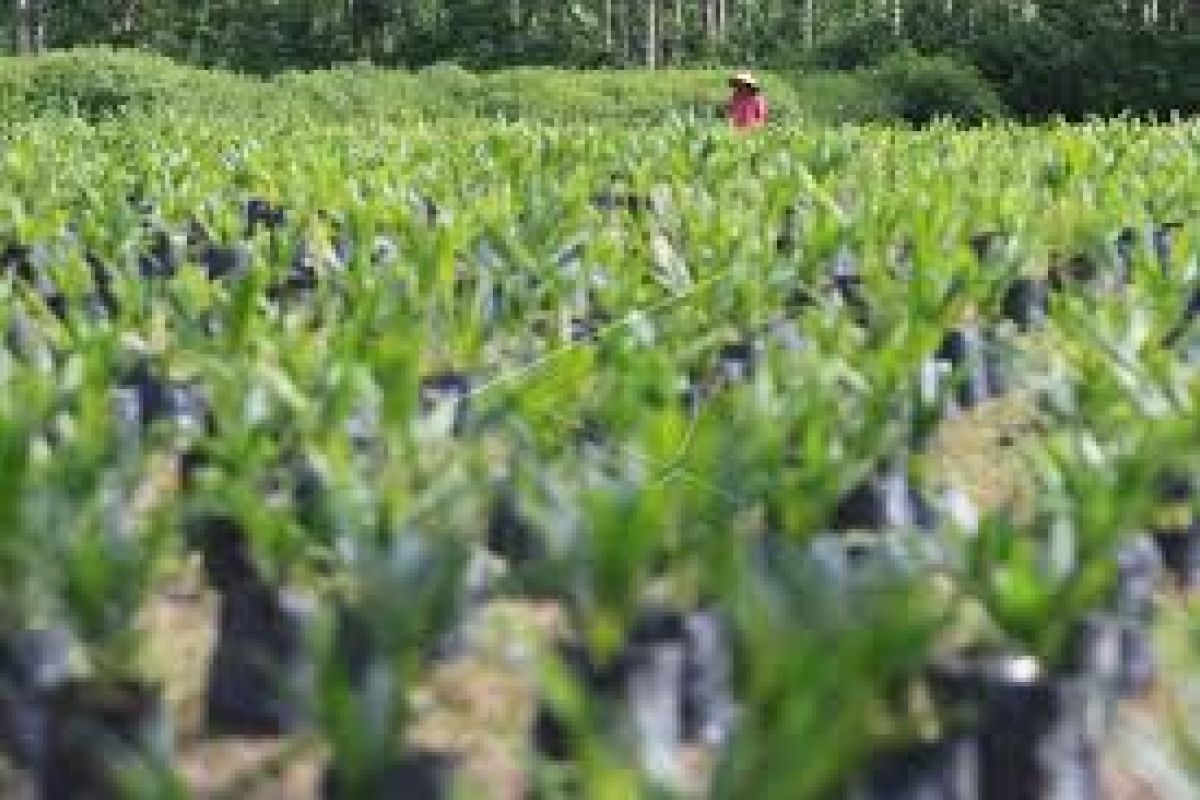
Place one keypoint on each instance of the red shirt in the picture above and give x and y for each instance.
(747, 110)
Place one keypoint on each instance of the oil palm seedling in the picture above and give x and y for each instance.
(687, 389)
(405, 597)
(104, 723)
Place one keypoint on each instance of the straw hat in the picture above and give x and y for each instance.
(744, 78)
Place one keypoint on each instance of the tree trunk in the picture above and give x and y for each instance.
(652, 34)
(679, 34)
(609, 40)
(709, 11)
(623, 32)
(22, 40)
(38, 35)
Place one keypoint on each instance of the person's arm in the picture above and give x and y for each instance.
(762, 109)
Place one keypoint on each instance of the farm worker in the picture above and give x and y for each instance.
(747, 107)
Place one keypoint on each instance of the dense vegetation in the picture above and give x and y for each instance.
(1071, 57)
(380, 371)
(99, 82)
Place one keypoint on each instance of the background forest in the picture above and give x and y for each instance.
(1069, 57)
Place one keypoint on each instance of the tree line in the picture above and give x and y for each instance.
(272, 35)
(1040, 56)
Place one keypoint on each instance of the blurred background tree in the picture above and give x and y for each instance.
(1041, 57)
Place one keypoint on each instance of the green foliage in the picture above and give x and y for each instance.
(100, 82)
(1073, 57)
(647, 472)
(1039, 68)
(920, 89)
(823, 690)
(1028, 68)
(841, 97)
(862, 42)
